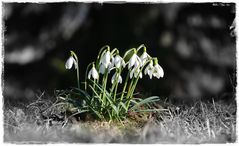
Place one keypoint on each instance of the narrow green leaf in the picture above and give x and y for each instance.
(98, 96)
(99, 87)
(146, 101)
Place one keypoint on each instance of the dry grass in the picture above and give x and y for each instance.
(200, 123)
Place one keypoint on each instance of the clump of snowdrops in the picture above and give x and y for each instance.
(105, 94)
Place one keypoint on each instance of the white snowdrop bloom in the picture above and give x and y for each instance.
(93, 73)
(137, 63)
(105, 60)
(135, 72)
(102, 69)
(69, 63)
(134, 61)
(111, 65)
(132, 73)
(114, 78)
(158, 71)
(106, 63)
(149, 69)
(144, 57)
(118, 61)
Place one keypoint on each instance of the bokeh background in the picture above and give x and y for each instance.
(193, 42)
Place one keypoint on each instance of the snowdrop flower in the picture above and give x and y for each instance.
(102, 69)
(114, 77)
(69, 63)
(93, 72)
(111, 64)
(134, 61)
(158, 71)
(144, 57)
(149, 69)
(119, 61)
(135, 72)
(105, 60)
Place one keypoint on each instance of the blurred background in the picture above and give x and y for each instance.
(193, 42)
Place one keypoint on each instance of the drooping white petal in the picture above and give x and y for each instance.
(120, 79)
(114, 78)
(150, 73)
(148, 67)
(155, 74)
(102, 69)
(144, 57)
(132, 73)
(139, 61)
(105, 60)
(158, 71)
(136, 64)
(149, 70)
(89, 74)
(117, 61)
(135, 72)
(69, 62)
(95, 74)
(132, 60)
(146, 70)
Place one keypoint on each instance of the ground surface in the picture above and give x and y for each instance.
(211, 122)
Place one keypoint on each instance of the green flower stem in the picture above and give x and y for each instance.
(113, 51)
(125, 85)
(78, 76)
(77, 68)
(131, 90)
(87, 68)
(113, 87)
(104, 88)
(141, 46)
(116, 87)
(93, 93)
(102, 83)
(115, 92)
